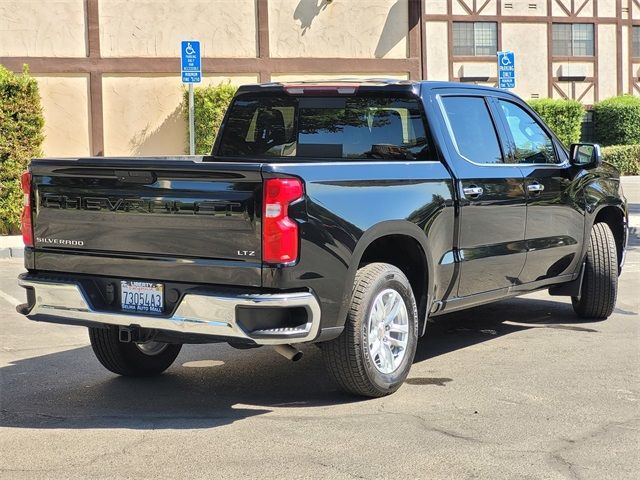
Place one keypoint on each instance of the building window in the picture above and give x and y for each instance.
(474, 38)
(573, 40)
(636, 41)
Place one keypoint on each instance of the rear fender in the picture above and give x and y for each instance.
(382, 229)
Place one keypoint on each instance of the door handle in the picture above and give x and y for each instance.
(472, 191)
(535, 187)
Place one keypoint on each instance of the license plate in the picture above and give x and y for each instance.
(143, 297)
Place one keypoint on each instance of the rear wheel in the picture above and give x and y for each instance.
(131, 359)
(600, 282)
(374, 353)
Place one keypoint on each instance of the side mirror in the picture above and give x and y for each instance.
(586, 155)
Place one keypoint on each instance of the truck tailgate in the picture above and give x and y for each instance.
(161, 208)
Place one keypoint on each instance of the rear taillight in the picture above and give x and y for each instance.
(27, 228)
(279, 232)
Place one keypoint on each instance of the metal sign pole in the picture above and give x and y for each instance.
(192, 132)
(191, 70)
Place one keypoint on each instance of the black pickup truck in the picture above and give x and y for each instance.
(338, 213)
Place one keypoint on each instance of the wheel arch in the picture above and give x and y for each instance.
(615, 216)
(373, 246)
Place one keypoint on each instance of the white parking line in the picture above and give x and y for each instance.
(12, 300)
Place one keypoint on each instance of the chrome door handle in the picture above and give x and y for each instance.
(535, 187)
(472, 191)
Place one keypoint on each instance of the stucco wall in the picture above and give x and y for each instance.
(531, 57)
(437, 60)
(149, 28)
(140, 111)
(54, 28)
(435, 7)
(341, 29)
(607, 8)
(607, 80)
(143, 116)
(286, 77)
(529, 7)
(65, 102)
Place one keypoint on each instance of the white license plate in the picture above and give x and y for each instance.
(141, 297)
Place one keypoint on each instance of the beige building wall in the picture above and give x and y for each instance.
(143, 114)
(36, 28)
(607, 8)
(292, 77)
(341, 29)
(531, 57)
(435, 7)
(607, 61)
(528, 8)
(436, 45)
(154, 28)
(65, 103)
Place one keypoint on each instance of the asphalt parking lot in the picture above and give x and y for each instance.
(518, 389)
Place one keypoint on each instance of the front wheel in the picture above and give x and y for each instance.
(131, 359)
(374, 353)
(600, 282)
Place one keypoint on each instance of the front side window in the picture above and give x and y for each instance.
(473, 129)
(532, 144)
(573, 40)
(475, 38)
(355, 127)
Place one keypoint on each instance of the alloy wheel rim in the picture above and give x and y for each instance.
(152, 348)
(388, 331)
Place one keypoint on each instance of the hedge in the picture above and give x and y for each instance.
(564, 117)
(210, 104)
(626, 158)
(21, 136)
(617, 120)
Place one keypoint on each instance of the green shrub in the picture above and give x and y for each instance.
(210, 104)
(21, 136)
(626, 158)
(617, 120)
(564, 117)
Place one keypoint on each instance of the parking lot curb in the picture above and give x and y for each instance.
(12, 252)
(11, 246)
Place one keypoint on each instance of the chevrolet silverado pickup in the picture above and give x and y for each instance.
(338, 213)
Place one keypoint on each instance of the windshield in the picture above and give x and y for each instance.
(354, 127)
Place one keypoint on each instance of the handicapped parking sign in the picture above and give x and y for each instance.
(506, 70)
(191, 64)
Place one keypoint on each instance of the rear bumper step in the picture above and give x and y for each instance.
(199, 313)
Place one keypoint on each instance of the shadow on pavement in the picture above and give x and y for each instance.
(214, 385)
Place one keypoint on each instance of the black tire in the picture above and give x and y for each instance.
(347, 357)
(600, 283)
(127, 358)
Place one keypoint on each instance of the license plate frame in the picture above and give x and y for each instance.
(142, 297)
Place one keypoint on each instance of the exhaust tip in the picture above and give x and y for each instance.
(289, 352)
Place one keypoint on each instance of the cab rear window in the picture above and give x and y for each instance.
(353, 127)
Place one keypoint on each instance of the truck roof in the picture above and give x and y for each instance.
(369, 84)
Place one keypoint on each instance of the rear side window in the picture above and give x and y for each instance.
(353, 127)
(472, 128)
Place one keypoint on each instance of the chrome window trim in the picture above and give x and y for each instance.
(455, 144)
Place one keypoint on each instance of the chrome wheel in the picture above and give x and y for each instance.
(388, 331)
(152, 348)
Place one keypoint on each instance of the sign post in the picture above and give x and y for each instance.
(506, 70)
(191, 73)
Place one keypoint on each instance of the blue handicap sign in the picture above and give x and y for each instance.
(506, 70)
(191, 64)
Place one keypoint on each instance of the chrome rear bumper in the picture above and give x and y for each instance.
(198, 313)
